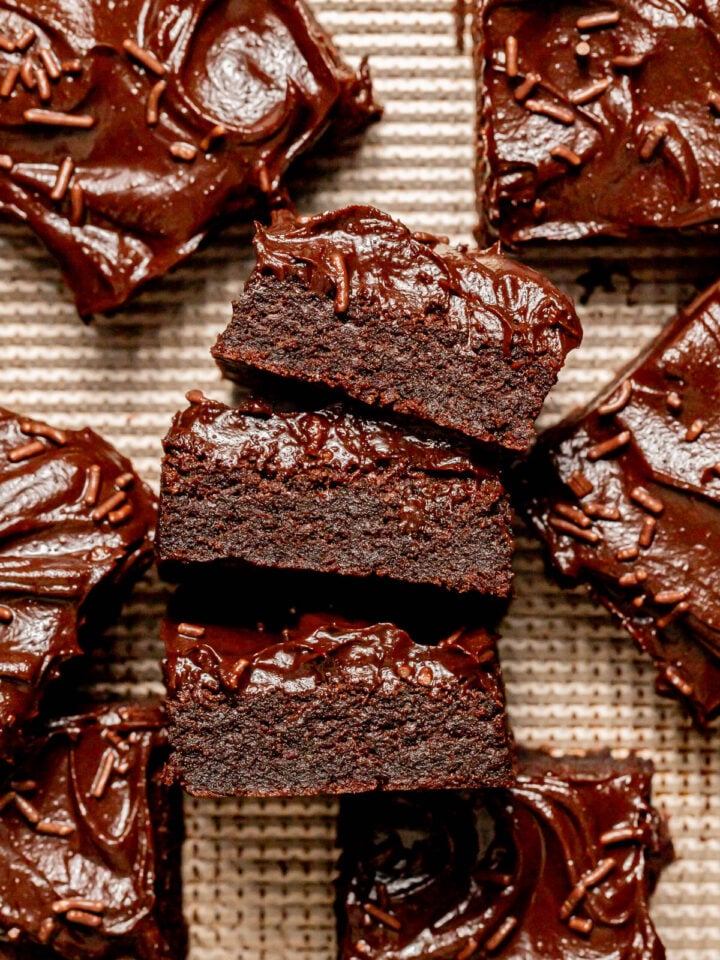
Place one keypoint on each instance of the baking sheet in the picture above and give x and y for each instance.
(258, 874)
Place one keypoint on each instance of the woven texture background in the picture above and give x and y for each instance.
(258, 875)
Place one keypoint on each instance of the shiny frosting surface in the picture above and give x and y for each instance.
(604, 119)
(560, 866)
(626, 496)
(483, 297)
(63, 540)
(314, 649)
(78, 841)
(164, 118)
(333, 442)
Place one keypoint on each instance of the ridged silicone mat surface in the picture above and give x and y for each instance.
(258, 875)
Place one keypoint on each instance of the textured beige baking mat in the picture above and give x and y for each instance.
(258, 875)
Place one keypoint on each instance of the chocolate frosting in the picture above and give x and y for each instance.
(193, 113)
(333, 442)
(59, 564)
(483, 296)
(316, 648)
(91, 784)
(663, 478)
(638, 112)
(489, 874)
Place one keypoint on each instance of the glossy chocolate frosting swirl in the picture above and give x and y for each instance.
(75, 528)
(490, 874)
(83, 834)
(185, 114)
(602, 127)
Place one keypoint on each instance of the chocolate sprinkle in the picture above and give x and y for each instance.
(641, 496)
(674, 677)
(511, 56)
(53, 118)
(50, 62)
(591, 92)
(26, 40)
(552, 110)
(54, 829)
(560, 152)
(678, 610)
(103, 774)
(144, 57)
(502, 933)
(152, 114)
(627, 553)
(342, 287)
(468, 950)
(580, 924)
(564, 526)
(574, 514)
(108, 505)
(579, 484)
(77, 204)
(383, 916)
(647, 532)
(609, 446)
(26, 451)
(83, 918)
(602, 511)
(601, 19)
(672, 596)
(183, 151)
(694, 430)
(620, 835)
(62, 181)
(582, 49)
(628, 61)
(9, 81)
(217, 132)
(619, 402)
(524, 89)
(652, 140)
(43, 85)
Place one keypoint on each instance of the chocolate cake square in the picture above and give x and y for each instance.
(352, 300)
(131, 131)
(597, 118)
(330, 491)
(560, 866)
(308, 687)
(90, 843)
(76, 526)
(626, 496)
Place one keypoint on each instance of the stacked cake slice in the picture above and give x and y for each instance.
(391, 378)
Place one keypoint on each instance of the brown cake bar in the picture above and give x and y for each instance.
(626, 496)
(90, 844)
(330, 491)
(277, 687)
(557, 868)
(75, 532)
(597, 118)
(130, 131)
(468, 340)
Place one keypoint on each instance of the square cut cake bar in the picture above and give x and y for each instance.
(626, 496)
(559, 867)
(330, 491)
(282, 685)
(597, 118)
